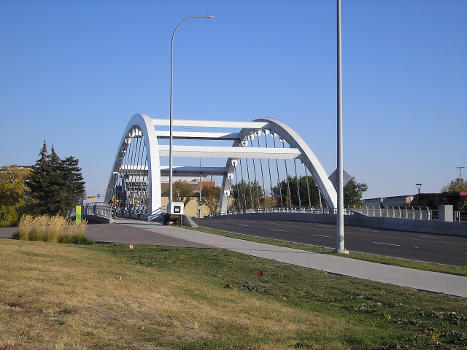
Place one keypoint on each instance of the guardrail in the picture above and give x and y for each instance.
(93, 209)
(411, 213)
(309, 210)
(398, 213)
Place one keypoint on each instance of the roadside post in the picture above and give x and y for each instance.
(78, 214)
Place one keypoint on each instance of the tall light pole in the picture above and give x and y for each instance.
(419, 187)
(340, 147)
(460, 171)
(171, 101)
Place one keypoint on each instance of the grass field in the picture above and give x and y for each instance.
(382, 259)
(63, 296)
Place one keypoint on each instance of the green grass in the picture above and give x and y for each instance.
(152, 297)
(384, 316)
(382, 259)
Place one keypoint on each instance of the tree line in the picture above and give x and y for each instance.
(292, 192)
(52, 187)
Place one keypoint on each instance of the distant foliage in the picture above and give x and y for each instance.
(56, 185)
(456, 185)
(246, 195)
(13, 194)
(182, 191)
(286, 193)
(210, 196)
(353, 192)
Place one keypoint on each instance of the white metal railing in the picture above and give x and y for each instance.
(308, 210)
(411, 213)
(93, 209)
(398, 213)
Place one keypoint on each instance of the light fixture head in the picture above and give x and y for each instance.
(209, 16)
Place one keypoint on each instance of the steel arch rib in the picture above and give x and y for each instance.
(146, 125)
(306, 156)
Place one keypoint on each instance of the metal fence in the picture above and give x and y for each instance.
(411, 213)
(308, 210)
(399, 213)
(93, 209)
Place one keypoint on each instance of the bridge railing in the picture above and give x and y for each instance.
(307, 210)
(411, 213)
(93, 209)
(398, 213)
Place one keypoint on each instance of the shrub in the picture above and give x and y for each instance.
(52, 229)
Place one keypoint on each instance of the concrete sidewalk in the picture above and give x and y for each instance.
(401, 276)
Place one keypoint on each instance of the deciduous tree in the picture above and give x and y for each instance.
(12, 194)
(182, 192)
(210, 196)
(456, 185)
(353, 192)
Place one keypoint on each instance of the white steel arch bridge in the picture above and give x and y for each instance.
(267, 150)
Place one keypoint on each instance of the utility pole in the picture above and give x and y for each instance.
(340, 146)
(419, 186)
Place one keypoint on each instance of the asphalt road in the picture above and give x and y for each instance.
(419, 246)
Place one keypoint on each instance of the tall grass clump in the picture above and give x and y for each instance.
(55, 229)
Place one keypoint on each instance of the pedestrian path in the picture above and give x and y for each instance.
(401, 276)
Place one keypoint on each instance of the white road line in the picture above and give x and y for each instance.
(374, 231)
(432, 237)
(321, 236)
(416, 247)
(383, 243)
(243, 225)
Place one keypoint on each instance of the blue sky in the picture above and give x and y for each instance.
(74, 72)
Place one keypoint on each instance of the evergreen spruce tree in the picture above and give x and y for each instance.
(60, 201)
(38, 183)
(75, 181)
(56, 185)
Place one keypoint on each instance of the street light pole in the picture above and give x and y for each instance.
(340, 147)
(171, 102)
(460, 171)
(419, 187)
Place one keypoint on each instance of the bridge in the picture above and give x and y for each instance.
(265, 168)
(257, 160)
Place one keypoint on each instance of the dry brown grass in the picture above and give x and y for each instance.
(50, 229)
(66, 297)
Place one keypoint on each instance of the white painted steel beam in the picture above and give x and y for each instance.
(164, 134)
(179, 170)
(193, 171)
(141, 126)
(210, 123)
(230, 152)
(146, 128)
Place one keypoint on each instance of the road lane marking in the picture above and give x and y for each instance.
(430, 237)
(321, 236)
(243, 225)
(383, 243)
(279, 230)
